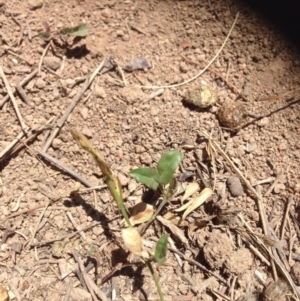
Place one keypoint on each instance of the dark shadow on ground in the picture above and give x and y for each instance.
(285, 15)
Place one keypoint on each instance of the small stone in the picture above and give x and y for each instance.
(125, 38)
(100, 92)
(295, 273)
(16, 247)
(120, 33)
(84, 112)
(40, 83)
(35, 4)
(279, 187)
(138, 63)
(263, 122)
(56, 143)
(234, 186)
(87, 132)
(106, 12)
(201, 57)
(52, 62)
(183, 67)
(154, 110)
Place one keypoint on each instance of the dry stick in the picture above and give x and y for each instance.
(11, 95)
(76, 226)
(47, 242)
(38, 223)
(22, 83)
(92, 287)
(24, 95)
(275, 257)
(232, 288)
(154, 94)
(69, 289)
(19, 57)
(72, 105)
(273, 184)
(198, 265)
(29, 32)
(203, 70)
(65, 168)
(287, 209)
(249, 186)
(21, 29)
(42, 57)
(31, 135)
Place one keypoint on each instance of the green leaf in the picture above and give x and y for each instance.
(161, 249)
(146, 176)
(78, 31)
(46, 36)
(167, 166)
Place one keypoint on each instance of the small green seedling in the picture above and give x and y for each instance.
(164, 172)
(77, 32)
(154, 179)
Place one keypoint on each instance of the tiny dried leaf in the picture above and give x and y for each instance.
(190, 190)
(204, 195)
(133, 242)
(141, 212)
(3, 294)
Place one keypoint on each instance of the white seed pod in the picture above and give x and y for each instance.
(201, 96)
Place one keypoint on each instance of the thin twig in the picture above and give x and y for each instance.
(72, 105)
(92, 287)
(278, 178)
(76, 226)
(38, 223)
(11, 95)
(22, 83)
(21, 30)
(275, 257)
(65, 168)
(203, 70)
(198, 265)
(286, 215)
(69, 289)
(24, 95)
(11, 149)
(232, 288)
(154, 94)
(42, 57)
(29, 32)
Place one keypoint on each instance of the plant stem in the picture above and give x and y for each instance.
(161, 205)
(113, 190)
(154, 276)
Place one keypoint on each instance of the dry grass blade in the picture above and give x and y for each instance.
(203, 70)
(189, 191)
(195, 203)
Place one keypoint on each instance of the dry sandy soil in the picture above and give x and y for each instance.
(218, 259)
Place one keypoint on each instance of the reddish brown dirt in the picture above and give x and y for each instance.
(179, 38)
